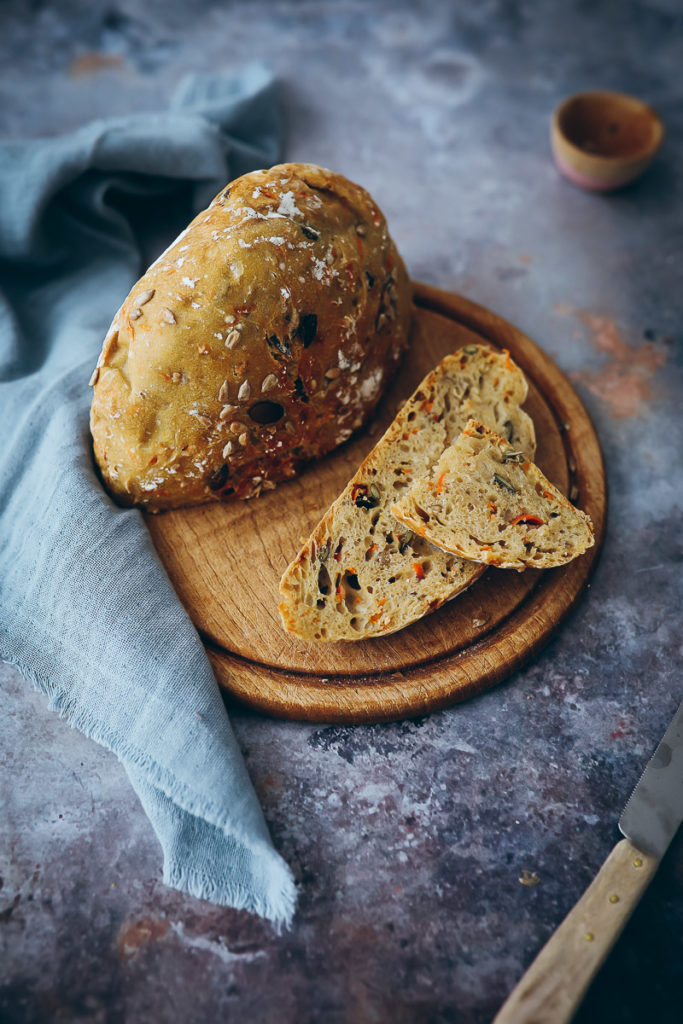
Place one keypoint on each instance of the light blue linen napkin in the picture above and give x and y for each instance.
(86, 610)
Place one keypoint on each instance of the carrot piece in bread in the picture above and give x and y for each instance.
(532, 523)
(475, 381)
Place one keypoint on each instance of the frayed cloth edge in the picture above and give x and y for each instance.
(277, 906)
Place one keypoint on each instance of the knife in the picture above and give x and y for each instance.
(554, 985)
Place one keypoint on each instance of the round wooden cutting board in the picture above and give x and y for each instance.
(225, 561)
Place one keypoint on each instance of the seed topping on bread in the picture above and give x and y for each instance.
(272, 290)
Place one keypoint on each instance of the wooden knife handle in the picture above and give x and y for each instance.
(552, 989)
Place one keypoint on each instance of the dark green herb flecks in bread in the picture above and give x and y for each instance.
(262, 338)
(362, 573)
(487, 502)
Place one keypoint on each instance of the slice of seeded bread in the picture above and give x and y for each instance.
(361, 573)
(484, 500)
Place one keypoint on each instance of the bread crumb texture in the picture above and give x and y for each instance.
(261, 338)
(362, 573)
(485, 500)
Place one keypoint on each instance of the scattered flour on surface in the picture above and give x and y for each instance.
(319, 268)
(371, 384)
(288, 207)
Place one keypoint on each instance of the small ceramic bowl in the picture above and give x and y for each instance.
(604, 140)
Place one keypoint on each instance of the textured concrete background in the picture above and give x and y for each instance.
(408, 840)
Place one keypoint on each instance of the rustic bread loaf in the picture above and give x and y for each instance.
(361, 573)
(484, 500)
(263, 337)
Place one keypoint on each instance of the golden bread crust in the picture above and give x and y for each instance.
(263, 337)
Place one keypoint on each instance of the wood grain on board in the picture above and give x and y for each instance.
(225, 561)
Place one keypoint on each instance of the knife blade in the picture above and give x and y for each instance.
(654, 809)
(552, 988)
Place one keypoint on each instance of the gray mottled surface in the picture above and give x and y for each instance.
(408, 840)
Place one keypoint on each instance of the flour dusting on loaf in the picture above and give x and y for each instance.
(362, 573)
(262, 338)
(485, 500)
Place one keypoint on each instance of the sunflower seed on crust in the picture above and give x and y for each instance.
(135, 314)
(269, 382)
(168, 316)
(232, 339)
(110, 343)
(228, 450)
(333, 372)
(243, 438)
(226, 411)
(204, 420)
(144, 297)
(95, 377)
(223, 393)
(237, 427)
(244, 392)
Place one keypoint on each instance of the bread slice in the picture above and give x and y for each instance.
(361, 573)
(484, 500)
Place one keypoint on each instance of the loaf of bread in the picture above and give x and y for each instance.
(485, 500)
(362, 573)
(263, 337)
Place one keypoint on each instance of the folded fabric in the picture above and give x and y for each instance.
(86, 610)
